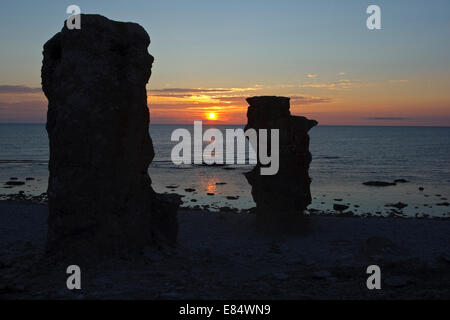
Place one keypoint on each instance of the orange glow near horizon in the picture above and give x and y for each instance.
(343, 102)
(340, 102)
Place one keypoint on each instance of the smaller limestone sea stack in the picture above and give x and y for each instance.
(100, 194)
(281, 198)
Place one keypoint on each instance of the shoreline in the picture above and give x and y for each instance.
(395, 210)
(222, 256)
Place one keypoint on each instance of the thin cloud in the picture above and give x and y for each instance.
(172, 95)
(304, 100)
(205, 97)
(231, 99)
(311, 75)
(18, 89)
(387, 118)
(194, 91)
(188, 90)
(337, 85)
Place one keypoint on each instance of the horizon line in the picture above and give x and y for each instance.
(243, 124)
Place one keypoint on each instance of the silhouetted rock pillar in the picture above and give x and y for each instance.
(281, 198)
(100, 194)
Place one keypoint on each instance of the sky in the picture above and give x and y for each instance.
(211, 55)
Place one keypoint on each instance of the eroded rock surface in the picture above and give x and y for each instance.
(100, 194)
(284, 196)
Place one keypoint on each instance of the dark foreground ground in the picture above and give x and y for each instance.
(222, 256)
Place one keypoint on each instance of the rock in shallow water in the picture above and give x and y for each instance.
(398, 205)
(14, 183)
(340, 207)
(100, 195)
(379, 183)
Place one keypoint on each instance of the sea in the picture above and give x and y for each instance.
(343, 158)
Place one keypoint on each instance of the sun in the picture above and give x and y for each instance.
(212, 116)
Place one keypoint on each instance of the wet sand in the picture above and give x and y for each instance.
(223, 256)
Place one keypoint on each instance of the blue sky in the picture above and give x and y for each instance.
(233, 44)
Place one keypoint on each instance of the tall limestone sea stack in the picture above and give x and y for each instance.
(100, 194)
(281, 198)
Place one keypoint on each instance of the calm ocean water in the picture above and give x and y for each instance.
(343, 158)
